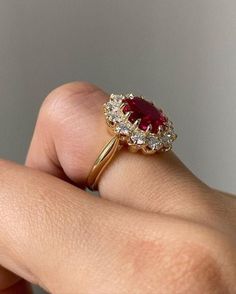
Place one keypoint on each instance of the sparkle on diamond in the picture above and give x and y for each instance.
(138, 138)
(154, 143)
(123, 129)
(112, 106)
(167, 138)
(114, 117)
(117, 98)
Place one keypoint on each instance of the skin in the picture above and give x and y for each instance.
(155, 229)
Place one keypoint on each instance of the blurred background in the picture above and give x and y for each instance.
(179, 52)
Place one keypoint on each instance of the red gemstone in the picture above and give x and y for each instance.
(146, 111)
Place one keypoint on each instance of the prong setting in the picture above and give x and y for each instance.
(136, 123)
(127, 115)
(131, 134)
(149, 128)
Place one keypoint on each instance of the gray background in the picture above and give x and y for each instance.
(181, 51)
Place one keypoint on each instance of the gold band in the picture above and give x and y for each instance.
(102, 161)
(136, 124)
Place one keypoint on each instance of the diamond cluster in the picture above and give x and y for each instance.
(132, 132)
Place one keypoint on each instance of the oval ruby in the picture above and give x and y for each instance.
(146, 111)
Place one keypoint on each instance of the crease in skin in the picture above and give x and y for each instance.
(14, 268)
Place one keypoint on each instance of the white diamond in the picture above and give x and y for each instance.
(116, 97)
(123, 129)
(112, 106)
(167, 139)
(138, 138)
(114, 117)
(130, 95)
(154, 143)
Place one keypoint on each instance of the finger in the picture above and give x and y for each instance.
(71, 132)
(58, 236)
(69, 120)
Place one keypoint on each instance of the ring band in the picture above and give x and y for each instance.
(135, 123)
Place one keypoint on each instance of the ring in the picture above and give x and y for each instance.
(136, 123)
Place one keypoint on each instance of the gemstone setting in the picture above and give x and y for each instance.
(139, 123)
(123, 129)
(138, 138)
(154, 143)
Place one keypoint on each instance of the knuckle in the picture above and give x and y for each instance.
(204, 262)
(191, 265)
(64, 118)
(61, 100)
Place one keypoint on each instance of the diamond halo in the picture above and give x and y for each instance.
(139, 124)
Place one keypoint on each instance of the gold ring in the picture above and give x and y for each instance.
(135, 123)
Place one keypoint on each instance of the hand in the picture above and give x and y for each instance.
(155, 229)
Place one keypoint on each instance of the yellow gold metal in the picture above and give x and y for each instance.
(123, 134)
(102, 161)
